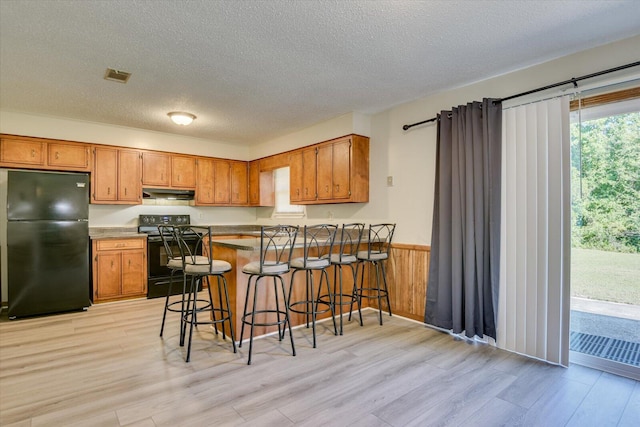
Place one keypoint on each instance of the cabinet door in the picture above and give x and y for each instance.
(18, 152)
(254, 183)
(341, 169)
(325, 172)
(104, 179)
(68, 156)
(183, 172)
(129, 165)
(295, 176)
(222, 182)
(156, 169)
(134, 277)
(239, 184)
(309, 174)
(107, 275)
(204, 182)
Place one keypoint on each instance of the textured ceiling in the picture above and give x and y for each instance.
(254, 70)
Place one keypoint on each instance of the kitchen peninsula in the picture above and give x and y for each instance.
(241, 249)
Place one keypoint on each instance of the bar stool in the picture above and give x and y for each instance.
(378, 250)
(350, 237)
(276, 247)
(318, 245)
(174, 263)
(199, 267)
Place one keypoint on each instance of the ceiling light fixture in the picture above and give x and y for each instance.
(181, 118)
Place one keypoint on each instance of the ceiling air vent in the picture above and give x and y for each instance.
(116, 75)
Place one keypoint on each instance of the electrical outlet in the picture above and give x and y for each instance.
(390, 181)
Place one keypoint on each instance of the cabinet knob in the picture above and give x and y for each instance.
(337, 187)
(57, 155)
(108, 190)
(33, 153)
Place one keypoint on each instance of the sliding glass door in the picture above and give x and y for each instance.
(605, 267)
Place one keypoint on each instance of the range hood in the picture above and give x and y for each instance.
(167, 194)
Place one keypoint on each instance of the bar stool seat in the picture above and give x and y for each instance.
(168, 234)
(199, 268)
(378, 250)
(276, 247)
(318, 245)
(349, 243)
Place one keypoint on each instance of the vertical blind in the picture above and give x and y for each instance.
(533, 313)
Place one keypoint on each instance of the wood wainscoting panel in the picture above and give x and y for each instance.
(407, 276)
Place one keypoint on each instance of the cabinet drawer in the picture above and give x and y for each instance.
(111, 244)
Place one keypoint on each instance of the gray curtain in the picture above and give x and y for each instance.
(462, 292)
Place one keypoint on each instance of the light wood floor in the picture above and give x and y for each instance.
(108, 367)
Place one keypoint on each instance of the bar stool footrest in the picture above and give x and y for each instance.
(246, 319)
(377, 291)
(179, 304)
(316, 302)
(225, 318)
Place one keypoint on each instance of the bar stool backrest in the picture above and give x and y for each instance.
(350, 238)
(379, 242)
(276, 247)
(171, 248)
(196, 251)
(318, 243)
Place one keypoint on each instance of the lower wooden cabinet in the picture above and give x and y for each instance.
(119, 268)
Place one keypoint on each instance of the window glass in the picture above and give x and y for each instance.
(284, 209)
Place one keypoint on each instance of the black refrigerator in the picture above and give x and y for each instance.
(47, 242)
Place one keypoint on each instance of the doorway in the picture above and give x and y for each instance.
(605, 257)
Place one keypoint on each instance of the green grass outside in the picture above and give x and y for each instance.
(605, 276)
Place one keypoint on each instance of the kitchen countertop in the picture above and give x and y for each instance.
(129, 232)
(114, 233)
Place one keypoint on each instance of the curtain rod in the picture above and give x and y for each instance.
(573, 80)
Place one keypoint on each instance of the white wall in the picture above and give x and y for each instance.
(323, 131)
(410, 155)
(77, 130)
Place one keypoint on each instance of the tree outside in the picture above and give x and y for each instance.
(606, 183)
(605, 168)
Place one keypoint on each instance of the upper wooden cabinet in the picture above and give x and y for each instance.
(335, 171)
(204, 181)
(165, 170)
(183, 172)
(39, 153)
(156, 169)
(261, 185)
(303, 175)
(116, 176)
(221, 182)
(239, 183)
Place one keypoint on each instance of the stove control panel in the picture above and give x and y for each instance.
(154, 220)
